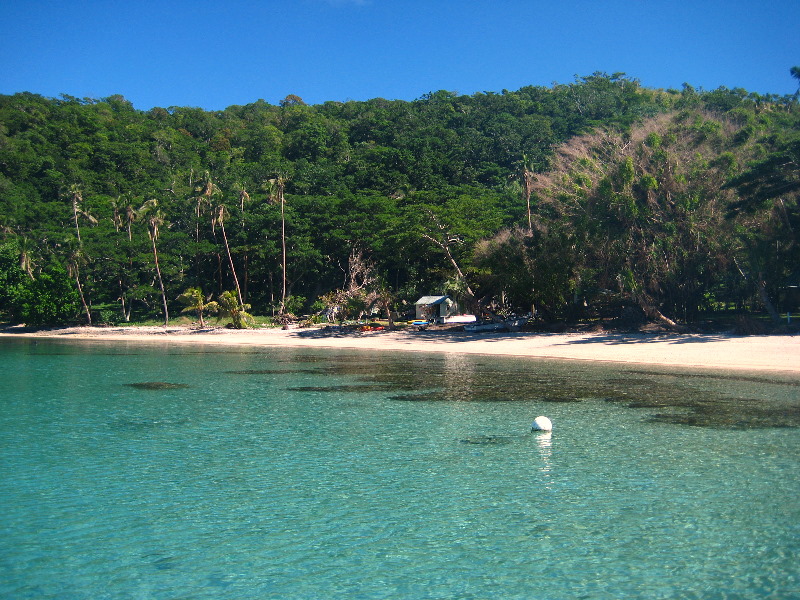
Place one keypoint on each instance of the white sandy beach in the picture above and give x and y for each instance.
(711, 351)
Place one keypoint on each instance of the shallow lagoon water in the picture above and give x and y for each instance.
(141, 471)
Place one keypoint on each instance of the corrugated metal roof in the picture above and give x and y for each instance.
(432, 299)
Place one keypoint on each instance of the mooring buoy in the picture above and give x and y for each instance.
(542, 424)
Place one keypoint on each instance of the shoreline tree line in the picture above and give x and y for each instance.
(562, 201)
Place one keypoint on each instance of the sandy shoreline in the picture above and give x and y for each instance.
(710, 351)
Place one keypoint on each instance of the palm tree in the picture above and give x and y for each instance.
(116, 218)
(75, 195)
(73, 269)
(218, 218)
(277, 186)
(195, 301)
(206, 188)
(241, 193)
(228, 304)
(527, 178)
(26, 256)
(155, 219)
(131, 214)
(244, 197)
(124, 214)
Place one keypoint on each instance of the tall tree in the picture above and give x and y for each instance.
(527, 178)
(75, 196)
(645, 209)
(769, 207)
(359, 292)
(244, 197)
(527, 272)
(277, 188)
(773, 181)
(205, 189)
(219, 214)
(155, 219)
(441, 236)
(73, 269)
(26, 260)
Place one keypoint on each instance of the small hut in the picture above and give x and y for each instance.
(435, 308)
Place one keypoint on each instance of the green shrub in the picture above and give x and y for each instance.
(50, 299)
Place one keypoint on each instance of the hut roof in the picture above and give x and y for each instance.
(428, 300)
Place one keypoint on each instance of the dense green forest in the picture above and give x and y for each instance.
(567, 200)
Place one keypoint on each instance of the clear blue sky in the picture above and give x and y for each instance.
(213, 54)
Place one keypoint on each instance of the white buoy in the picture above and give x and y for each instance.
(542, 424)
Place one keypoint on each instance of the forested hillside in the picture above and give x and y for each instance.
(555, 199)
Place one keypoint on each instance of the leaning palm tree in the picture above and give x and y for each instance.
(218, 218)
(155, 219)
(244, 198)
(197, 302)
(73, 270)
(75, 196)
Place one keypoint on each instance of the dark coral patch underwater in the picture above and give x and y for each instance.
(157, 385)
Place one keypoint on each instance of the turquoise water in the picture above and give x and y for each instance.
(131, 471)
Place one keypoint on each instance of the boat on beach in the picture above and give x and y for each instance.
(485, 327)
(511, 324)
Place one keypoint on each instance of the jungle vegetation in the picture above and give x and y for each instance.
(563, 200)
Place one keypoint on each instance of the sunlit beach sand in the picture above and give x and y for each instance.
(713, 351)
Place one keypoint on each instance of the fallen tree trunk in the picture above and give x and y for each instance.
(651, 311)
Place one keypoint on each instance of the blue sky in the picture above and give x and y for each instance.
(215, 54)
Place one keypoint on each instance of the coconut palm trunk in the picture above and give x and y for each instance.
(76, 198)
(160, 281)
(528, 180)
(277, 187)
(233, 269)
(74, 271)
(154, 223)
(219, 219)
(283, 254)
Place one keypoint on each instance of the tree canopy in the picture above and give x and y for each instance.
(546, 197)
